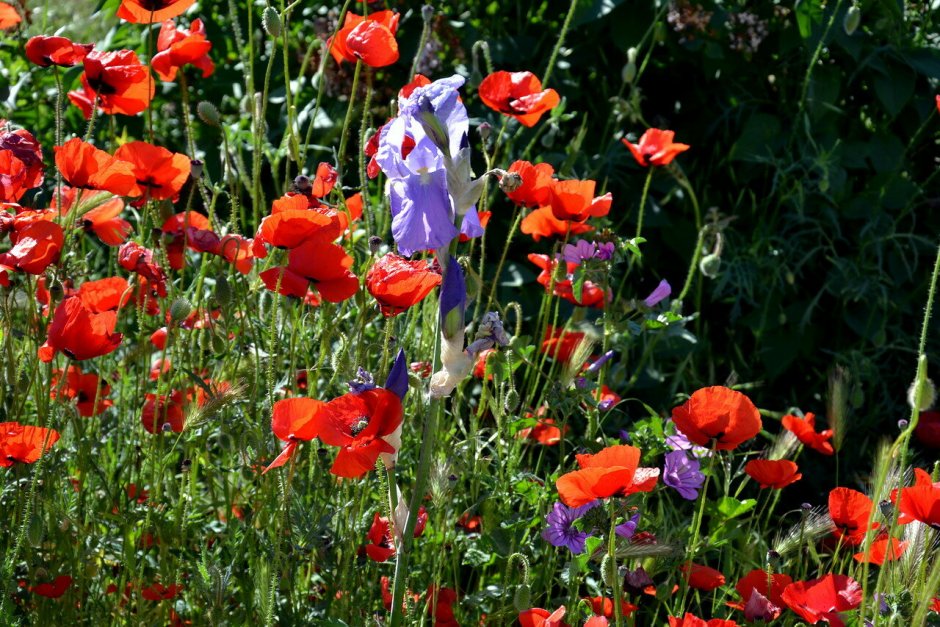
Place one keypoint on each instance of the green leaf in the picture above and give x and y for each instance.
(577, 285)
(730, 507)
(808, 13)
(895, 88)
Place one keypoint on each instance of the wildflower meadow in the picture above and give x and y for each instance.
(541, 313)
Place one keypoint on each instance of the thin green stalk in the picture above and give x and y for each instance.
(697, 527)
(347, 122)
(559, 43)
(646, 189)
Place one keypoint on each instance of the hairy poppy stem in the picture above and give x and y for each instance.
(646, 189)
(344, 140)
(559, 43)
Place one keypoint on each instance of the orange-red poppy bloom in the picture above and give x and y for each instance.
(592, 295)
(805, 431)
(574, 200)
(117, 80)
(295, 420)
(99, 214)
(363, 426)
(545, 432)
(603, 606)
(108, 294)
(159, 173)
(768, 586)
(614, 471)
(45, 51)
(718, 415)
(370, 38)
(83, 165)
(823, 598)
(79, 332)
(21, 163)
(537, 617)
(702, 577)
(655, 148)
(543, 223)
(381, 547)
(324, 265)
(883, 549)
(535, 190)
(54, 589)
(165, 413)
(691, 620)
(920, 502)
(773, 473)
(37, 246)
(87, 390)
(518, 94)
(561, 344)
(292, 223)
(135, 258)
(398, 283)
(9, 16)
(24, 443)
(152, 11)
(177, 47)
(850, 510)
(159, 592)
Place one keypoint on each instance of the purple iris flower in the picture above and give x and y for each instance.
(627, 529)
(397, 381)
(662, 291)
(453, 300)
(681, 473)
(561, 531)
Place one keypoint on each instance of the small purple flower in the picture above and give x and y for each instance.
(662, 291)
(627, 529)
(605, 251)
(682, 474)
(363, 382)
(678, 442)
(603, 359)
(561, 531)
(636, 581)
(625, 436)
(579, 251)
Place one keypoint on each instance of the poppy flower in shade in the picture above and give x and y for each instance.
(592, 295)
(545, 431)
(561, 344)
(87, 390)
(79, 332)
(479, 366)
(160, 174)
(53, 590)
(574, 200)
(614, 471)
(543, 223)
(702, 577)
(398, 283)
(188, 228)
(850, 511)
(362, 425)
(603, 606)
(159, 592)
(45, 51)
(83, 165)
(152, 11)
(177, 47)
(164, 413)
(295, 420)
(805, 431)
(773, 473)
(381, 547)
(608, 398)
(927, 430)
(691, 620)
(37, 247)
(823, 598)
(882, 549)
(655, 148)
(119, 82)
(761, 588)
(536, 187)
(440, 602)
(9, 16)
(518, 94)
(537, 617)
(323, 264)
(720, 415)
(21, 165)
(385, 584)
(135, 258)
(370, 38)
(24, 443)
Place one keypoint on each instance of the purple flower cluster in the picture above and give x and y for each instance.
(583, 250)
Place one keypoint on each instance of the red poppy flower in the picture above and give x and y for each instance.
(87, 390)
(295, 420)
(823, 598)
(470, 524)
(119, 82)
(385, 584)
(543, 223)
(850, 511)
(419, 80)
(381, 547)
(291, 224)
(882, 549)
(518, 94)
(135, 258)
(602, 606)
(109, 294)
(158, 338)
(325, 265)
(574, 200)
(479, 366)
(655, 148)
(592, 295)
(21, 163)
(362, 425)
(152, 11)
(702, 577)
(188, 228)
(53, 590)
(805, 430)
(177, 47)
(100, 214)
(772, 473)
(718, 414)
(921, 502)
(398, 283)
(324, 181)
(769, 587)
(598, 621)
(45, 51)
(440, 603)
(928, 429)
(37, 247)
(614, 471)
(157, 591)
(83, 165)
(608, 398)
(545, 431)
(160, 174)
(9, 16)
(79, 332)
(561, 344)
(24, 443)
(537, 617)
(535, 190)
(691, 620)
(237, 250)
(164, 413)
(370, 38)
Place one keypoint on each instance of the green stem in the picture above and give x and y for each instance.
(646, 189)
(696, 528)
(559, 43)
(344, 140)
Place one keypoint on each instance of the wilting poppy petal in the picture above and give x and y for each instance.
(518, 94)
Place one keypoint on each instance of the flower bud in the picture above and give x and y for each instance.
(511, 401)
(271, 21)
(208, 113)
(609, 571)
(302, 184)
(375, 244)
(219, 344)
(180, 310)
(485, 129)
(427, 14)
(853, 17)
(56, 291)
(924, 397)
(522, 600)
(628, 73)
(195, 169)
(222, 291)
(710, 265)
(902, 424)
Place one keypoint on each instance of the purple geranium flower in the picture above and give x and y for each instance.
(678, 442)
(662, 291)
(363, 382)
(627, 529)
(561, 531)
(681, 473)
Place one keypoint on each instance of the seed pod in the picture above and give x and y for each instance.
(271, 21)
(222, 291)
(609, 571)
(853, 17)
(924, 400)
(522, 600)
(375, 244)
(180, 310)
(510, 182)
(195, 169)
(710, 265)
(208, 113)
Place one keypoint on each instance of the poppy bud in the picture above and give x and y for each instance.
(609, 570)
(219, 344)
(485, 129)
(887, 509)
(522, 600)
(853, 17)
(34, 532)
(271, 21)
(902, 424)
(56, 292)
(511, 400)
(375, 244)
(548, 139)
(180, 310)
(195, 169)
(921, 399)
(710, 265)
(208, 113)
(222, 291)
